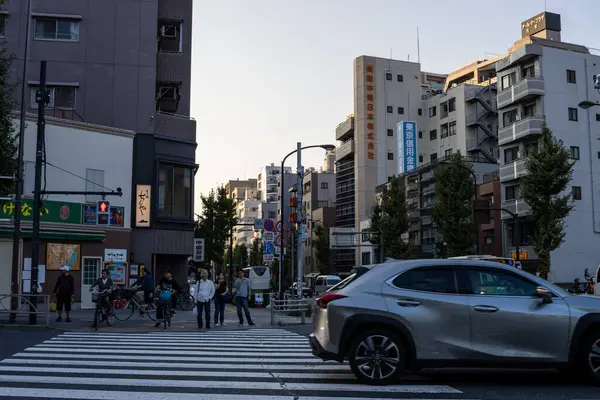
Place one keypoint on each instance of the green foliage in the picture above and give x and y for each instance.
(453, 210)
(321, 246)
(550, 170)
(8, 139)
(256, 253)
(214, 224)
(240, 256)
(389, 219)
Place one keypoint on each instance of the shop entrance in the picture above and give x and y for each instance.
(90, 272)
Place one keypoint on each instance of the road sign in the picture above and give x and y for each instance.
(278, 241)
(277, 250)
(268, 236)
(278, 226)
(268, 258)
(268, 248)
(198, 250)
(269, 225)
(259, 224)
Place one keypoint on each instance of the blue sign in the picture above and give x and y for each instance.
(268, 248)
(407, 146)
(269, 225)
(258, 224)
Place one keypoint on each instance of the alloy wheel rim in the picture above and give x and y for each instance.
(594, 357)
(377, 357)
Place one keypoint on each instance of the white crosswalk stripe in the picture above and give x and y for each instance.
(265, 364)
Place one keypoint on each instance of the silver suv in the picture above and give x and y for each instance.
(453, 313)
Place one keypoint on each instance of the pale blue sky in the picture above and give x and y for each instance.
(269, 73)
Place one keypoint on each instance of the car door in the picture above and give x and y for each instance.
(508, 322)
(426, 301)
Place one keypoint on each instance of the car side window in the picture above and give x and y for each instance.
(493, 282)
(436, 280)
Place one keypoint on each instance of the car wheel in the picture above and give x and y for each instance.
(590, 357)
(377, 357)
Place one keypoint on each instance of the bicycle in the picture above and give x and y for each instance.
(185, 301)
(165, 320)
(101, 313)
(126, 303)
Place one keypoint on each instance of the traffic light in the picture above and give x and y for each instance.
(103, 213)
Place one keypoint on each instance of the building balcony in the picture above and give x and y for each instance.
(513, 170)
(344, 150)
(175, 126)
(519, 56)
(415, 225)
(428, 248)
(345, 130)
(426, 176)
(412, 187)
(413, 214)
(525, 89)
(516, 206)
(429, 189)
(528, 126)
(172, 67)
(427, 220)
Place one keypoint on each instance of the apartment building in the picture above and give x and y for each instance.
(123, 64)
(247, 210)
(233, 184)
(542, 79)
(268, 182)
(490, 234)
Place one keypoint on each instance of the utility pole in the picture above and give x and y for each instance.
(41, 98)
(300, 222)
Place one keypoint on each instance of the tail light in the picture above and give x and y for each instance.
(328, 298)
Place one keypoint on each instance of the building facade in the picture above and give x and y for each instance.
(268, 182)
(490, 234)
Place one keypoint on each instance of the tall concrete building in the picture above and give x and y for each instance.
(268, 182)
(124, 64)
(231, 185)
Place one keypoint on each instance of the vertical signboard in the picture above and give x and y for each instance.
(407, 146)
(370, 111)
(142, 206)
(199, 249)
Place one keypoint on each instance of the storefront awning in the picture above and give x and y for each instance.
(58, 234)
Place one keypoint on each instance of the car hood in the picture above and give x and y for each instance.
(584, 301)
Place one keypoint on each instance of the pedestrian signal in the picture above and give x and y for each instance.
(103, 213)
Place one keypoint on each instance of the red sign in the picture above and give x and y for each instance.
(278, 226)
(103, 206)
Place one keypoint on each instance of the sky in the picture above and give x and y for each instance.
(267, 74)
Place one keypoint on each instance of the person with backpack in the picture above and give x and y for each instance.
(63, 292)
(165, 297)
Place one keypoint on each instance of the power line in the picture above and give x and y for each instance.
(77, 176)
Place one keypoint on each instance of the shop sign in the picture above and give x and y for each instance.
(52, 211)
(370, 104)
(116, 255)
(59, 254)
(90, 212)
(407, 146)
(142, 209)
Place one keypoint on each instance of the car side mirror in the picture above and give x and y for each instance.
(544, 294)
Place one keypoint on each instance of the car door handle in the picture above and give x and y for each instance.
(408, 303)
(488, 309)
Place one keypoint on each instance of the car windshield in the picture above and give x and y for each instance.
(360, 271)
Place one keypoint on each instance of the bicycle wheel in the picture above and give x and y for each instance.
(97, 319)
(186, 302)
(110, 319)
(123, 309)
(150, 310)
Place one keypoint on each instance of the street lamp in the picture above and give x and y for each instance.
(474, 200)
(586, 104)
(299, 148)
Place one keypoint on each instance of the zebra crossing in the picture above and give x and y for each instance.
(265, 364)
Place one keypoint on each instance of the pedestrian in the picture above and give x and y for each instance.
(220, 292)
(63, 292)
(205, 291)
(243, 287)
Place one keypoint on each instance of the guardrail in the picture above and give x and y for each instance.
(290, 306)
(20, 315)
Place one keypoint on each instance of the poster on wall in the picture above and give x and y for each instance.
(117, 271)
(142, 206)
(60, 254)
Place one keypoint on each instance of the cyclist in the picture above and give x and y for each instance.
(144, 287)
(104, 283)
(164, 296)
(167, 279)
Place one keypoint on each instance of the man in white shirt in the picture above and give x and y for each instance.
(205, 291)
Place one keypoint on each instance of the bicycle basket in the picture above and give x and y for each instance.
(95, 297)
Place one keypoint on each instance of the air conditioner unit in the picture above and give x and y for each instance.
(168, 31)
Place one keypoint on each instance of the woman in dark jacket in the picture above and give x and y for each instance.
(104, 283)
(220, 291)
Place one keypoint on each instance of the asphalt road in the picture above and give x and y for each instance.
(260, 364)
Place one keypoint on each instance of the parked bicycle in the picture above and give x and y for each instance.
(184, 301)
(126, 302)
(101, 312)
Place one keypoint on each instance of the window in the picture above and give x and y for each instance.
(509, 117)
(365, 258)
(324, 185)
(94, 182)
(272, 215)
(400, 110)
(508, 80)
(513, 192)
(452, 105)
(400, 78)
(511, 154)
(169, 36)
(56, 29)
(575, 152)
(572, 114)
(529, 110)
(452, 128)
(493, 282)
(420, 158)
(576, 190)
(90, 269)
(448, 153)
(597, 117)
(528, 71)
(390, 109)
(62, 97)
(571, 77)
(444, 131)
(420, 111)
(167, 97)
(390, 132)
(433, 157)
(433, 134)
(388, 76)
(2, 25)
(432, 111)
(390, 156)
(531, 148)
(175, 191)
(436, 280)
(443, 110)
(420, 134)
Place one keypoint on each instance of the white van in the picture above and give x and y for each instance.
(325, 282)
(259, 276)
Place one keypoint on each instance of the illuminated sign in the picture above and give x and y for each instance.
(142, 209)
(407, 146)
(103, 213)
(370, 104)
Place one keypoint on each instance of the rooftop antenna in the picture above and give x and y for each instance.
(408, 56)
(418, 47)
(545, 5)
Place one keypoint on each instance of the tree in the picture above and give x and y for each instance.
(214, 224)
(389, 220)
(321, 246)
(549, 172)
(256, 253)
(8, 139)
(240, 256)
(453, 210)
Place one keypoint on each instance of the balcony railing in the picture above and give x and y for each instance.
(512, 170)
(531, 125)
(345, 130)
(530, 86)
(344, 150)
(173, 125)
(516, 206)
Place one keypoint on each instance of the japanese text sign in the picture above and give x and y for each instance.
(370, 110)
(142, 206)
(407, 146)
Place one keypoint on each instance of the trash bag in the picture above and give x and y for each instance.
(52, 306)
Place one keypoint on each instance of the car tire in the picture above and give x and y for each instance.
(589, 358)
(371, 363)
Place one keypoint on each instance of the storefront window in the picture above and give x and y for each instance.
(175, 191)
